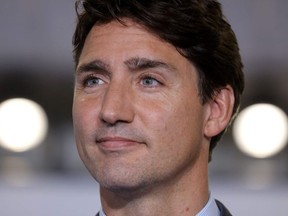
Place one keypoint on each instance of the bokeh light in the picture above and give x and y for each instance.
(23, 124)
(261, 130)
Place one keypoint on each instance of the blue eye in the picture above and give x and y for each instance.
(93, 81)
(149, 82)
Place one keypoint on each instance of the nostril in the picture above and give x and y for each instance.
(117, 103)
(116, 110)
(109, 117)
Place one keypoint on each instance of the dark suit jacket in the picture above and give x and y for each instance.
(223, 210)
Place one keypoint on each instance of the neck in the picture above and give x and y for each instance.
(185, 195)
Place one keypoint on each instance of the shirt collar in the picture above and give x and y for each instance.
(101, 213)
(210, 209)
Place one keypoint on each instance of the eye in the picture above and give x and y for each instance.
(93, 81)
(149, 81)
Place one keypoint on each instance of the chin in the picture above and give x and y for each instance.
(126, 191)
(127, 185)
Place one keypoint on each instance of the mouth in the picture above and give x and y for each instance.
(116, 144)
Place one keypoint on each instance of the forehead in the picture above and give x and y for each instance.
(115, 43)
(128, 36)
(125, 27)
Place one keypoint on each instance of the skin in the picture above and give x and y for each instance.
(140, 127)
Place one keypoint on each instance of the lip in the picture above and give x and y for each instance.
(113, 144)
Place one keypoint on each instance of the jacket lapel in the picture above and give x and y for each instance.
(223, 210)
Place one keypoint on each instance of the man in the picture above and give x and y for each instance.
(156, 84)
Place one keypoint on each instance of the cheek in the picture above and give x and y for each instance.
(175, 137)
(175, 122)
(83, 117)
(83, 124)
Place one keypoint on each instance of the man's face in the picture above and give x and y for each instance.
(138, 118)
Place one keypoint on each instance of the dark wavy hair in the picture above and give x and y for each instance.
(197, 28)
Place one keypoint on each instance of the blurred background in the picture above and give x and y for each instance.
(46, 177)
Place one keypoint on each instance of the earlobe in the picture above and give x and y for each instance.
(220, 111)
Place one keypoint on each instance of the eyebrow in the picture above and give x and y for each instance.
(137, 63)
(96, 65)
(133, 64)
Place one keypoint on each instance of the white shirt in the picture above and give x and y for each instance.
(210, 209)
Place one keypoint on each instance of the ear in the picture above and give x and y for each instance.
(219, 112)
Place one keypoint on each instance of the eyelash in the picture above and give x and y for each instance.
(143, 77)
(151, 77)
(89, 78)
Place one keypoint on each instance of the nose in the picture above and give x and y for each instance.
(117, 104)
